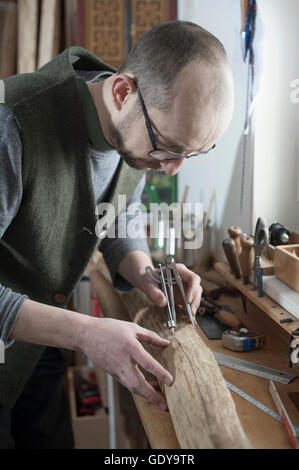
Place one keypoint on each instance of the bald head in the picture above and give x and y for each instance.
(202, 98)
(163, 53)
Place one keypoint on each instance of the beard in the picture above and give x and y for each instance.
(117, 136)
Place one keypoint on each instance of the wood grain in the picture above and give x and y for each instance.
(157, 423)
(201, 407)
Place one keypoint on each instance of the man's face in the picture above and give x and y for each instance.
(189, 126)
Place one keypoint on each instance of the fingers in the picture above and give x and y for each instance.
(155, 294)
(146, 390)
(155, 385)
(142, 357)
(192, 287)
(151, 337)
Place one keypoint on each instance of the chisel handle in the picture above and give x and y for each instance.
(230, 319)
(235, 234)
(246, 256)
(232, 257)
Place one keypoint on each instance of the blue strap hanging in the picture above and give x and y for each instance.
(249, 29)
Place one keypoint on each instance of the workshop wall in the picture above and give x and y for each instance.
(276, 167)
(221, 169)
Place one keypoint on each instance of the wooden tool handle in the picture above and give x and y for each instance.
(232, 257)
(246, 256)
(230, 319)
(235, 234)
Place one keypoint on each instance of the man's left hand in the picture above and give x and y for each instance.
(191, 284)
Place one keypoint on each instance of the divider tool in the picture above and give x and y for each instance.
(172, 278)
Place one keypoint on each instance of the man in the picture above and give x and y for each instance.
(172, 98)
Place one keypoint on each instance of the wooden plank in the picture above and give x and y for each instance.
(8, 38)
(273, 310)
(157, 425)
(27, 35)
(49, 37)
(286, 265)
(262, 430)
(201, 407)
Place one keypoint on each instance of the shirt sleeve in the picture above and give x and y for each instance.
(11, 191)
(115, 249)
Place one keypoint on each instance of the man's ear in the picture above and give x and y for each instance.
(122, 89)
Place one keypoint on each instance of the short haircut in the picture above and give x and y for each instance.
(161, 53)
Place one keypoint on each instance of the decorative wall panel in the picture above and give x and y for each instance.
(105, 30)
(147, 13)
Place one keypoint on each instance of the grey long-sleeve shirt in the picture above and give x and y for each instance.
(103, 167)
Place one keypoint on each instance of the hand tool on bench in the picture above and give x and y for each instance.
(235, 234)
(279, 235)
(246, 257)
(220, 312)
(242, 339)
(171, 322)
(261, 238)
(230, 250)
(214, 319)
(172, 278)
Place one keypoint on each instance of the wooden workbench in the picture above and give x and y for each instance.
(263, 431)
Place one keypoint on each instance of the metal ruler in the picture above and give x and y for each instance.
(253, 368)
(256, 403)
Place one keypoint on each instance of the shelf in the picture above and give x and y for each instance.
(272, 309)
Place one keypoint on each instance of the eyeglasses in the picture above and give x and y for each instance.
(156, 152)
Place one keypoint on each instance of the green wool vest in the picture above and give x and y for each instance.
(46, 248)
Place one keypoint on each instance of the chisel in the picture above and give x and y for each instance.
(246, 257)
(235, 234)
(232, 257)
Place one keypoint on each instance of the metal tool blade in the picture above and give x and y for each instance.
(171, 264)
(261, 236)
(169, 313)
(171, 295)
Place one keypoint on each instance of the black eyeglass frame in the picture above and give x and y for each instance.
(177, 156)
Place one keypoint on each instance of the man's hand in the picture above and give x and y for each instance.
(191, 284)
(133, 267)
(114, 346)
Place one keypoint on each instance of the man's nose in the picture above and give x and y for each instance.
(172, 167)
